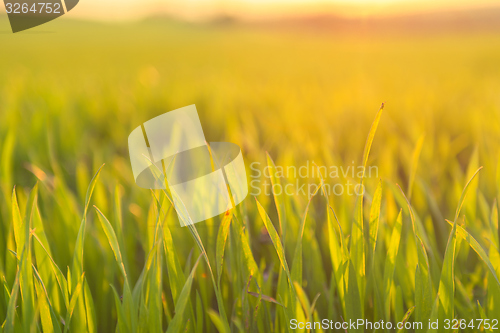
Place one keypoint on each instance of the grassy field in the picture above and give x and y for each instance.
(83, 249)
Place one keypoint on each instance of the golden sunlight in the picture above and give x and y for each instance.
(262, 9)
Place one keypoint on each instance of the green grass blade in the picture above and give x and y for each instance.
(390, 263)
(474, 244)
(357, 246)
(175, 273)
(446, 289)
(122, 320)
(154, 295)
(405, 319)
(414, 164)
(260, 295)
(72, 304)
(371, 136)
(281, 255)
(216, 319)
(338, 255)
(113, 241)
(304, 302)
(278, 196)
(481, 311)
(61, 280)
(6, 161)
(17, 224)
(221, 243)
(464, 194)
(89, 309)
(177, 322)
(187, 222)
(244, 240)
(26, 275)
(80, 317)
(297, 257)
(46, 312)
(77, 262)
(493, 293)
(11, 308)
(375, 218)
(353, 306)
(218, 295)
(423, 282)
(43, 257)
(494, 224)
(199, 314)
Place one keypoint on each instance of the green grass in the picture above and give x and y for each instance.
(86, 250)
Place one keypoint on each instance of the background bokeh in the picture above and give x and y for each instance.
(300, 89)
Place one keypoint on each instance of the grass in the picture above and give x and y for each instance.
(86, 250)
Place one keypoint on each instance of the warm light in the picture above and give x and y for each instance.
(258, 9)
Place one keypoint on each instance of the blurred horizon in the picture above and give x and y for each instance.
(478, 19)
(256, 10)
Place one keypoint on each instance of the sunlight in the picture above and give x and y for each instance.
(263, 9)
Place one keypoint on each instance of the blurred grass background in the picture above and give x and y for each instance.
(72, 91)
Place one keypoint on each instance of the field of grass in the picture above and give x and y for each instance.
(83, 249)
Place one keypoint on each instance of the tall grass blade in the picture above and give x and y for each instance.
(297, 258)
(375, 218)
(122, 323)
(26, 275)
(390, 263)
(357, 246)
(11, 308)
(414, 164)
(216, 319)
(278, 196)
(77, 263)
(474, 244)
(221, 243)
(354, 305)
(72, 304)
(61, 280)
(281, 255)
(405, 319)
(177, 322)
(128, 303)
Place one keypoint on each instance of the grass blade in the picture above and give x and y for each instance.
(464, 194)
(297, 257)
(122, 320)
(221, 243)
(128, 303)
(177, 322)
(72, 303)
(414, 164)
(11, 308)
(390, 263)
(216, 319)
(474, 244)
(375, 218)
(26, 275)
(405, 319)
(353, 306)
(357, 246)
(281, 255)
(278, 196)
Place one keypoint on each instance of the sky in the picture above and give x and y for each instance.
(261, 9)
